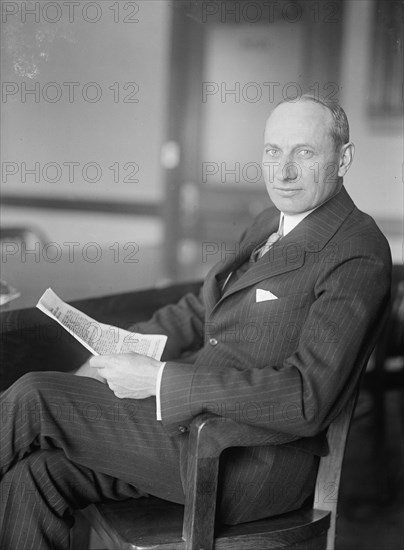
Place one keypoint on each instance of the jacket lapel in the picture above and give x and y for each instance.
(255, 236)
(288, 254)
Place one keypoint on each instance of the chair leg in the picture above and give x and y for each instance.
(80, 533)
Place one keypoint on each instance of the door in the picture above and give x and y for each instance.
(231, 63)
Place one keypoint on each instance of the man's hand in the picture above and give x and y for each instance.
(129, 375)
(86, 370)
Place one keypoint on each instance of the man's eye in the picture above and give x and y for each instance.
(305, 153)
(272, 152)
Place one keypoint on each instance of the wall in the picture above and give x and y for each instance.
(375, 179)
(111, 113)
(93, 128)
(117, 129)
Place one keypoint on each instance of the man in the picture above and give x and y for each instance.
(276, 339)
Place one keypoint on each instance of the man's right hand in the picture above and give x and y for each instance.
(86, 370)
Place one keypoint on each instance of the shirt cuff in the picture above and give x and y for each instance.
(158, 385)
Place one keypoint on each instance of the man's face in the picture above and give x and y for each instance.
(300, 163)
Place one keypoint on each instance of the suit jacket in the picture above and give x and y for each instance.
(287, 365)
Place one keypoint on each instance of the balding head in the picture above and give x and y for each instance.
(304, 159)
(339, 125)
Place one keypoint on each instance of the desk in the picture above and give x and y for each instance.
(30, 341)
(104, 289)
(75, 276)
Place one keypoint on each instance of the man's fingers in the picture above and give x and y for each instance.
(98, 361)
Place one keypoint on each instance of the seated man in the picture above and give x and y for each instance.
(275, 339)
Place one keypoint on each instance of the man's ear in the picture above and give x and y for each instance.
(345, 158)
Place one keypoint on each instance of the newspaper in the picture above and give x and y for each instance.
(97, 337)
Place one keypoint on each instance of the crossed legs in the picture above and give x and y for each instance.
(66, 442)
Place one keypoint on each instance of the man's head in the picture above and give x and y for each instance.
(306, 153)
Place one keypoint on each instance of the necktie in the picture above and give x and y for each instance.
(272, 239)
(256, 254)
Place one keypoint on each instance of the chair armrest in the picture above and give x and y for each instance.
(209, 436)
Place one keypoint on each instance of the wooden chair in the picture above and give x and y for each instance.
(151, 523)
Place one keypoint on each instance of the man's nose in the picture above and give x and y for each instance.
(288, 172)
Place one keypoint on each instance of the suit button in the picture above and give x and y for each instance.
(182, 429)
(213, 341)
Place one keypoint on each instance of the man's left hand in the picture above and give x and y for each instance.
(129, 375)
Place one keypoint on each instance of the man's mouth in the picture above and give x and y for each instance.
(287, 192)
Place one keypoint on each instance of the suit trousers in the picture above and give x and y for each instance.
(67, 441)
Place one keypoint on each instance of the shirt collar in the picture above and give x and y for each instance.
(290, 221)
(287, 222)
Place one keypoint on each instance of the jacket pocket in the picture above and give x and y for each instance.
(279, 306)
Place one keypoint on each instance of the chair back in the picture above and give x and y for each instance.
(330, 467)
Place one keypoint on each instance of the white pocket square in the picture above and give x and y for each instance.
(262, 295)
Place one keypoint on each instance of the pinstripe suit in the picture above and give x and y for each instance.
(286, 365)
